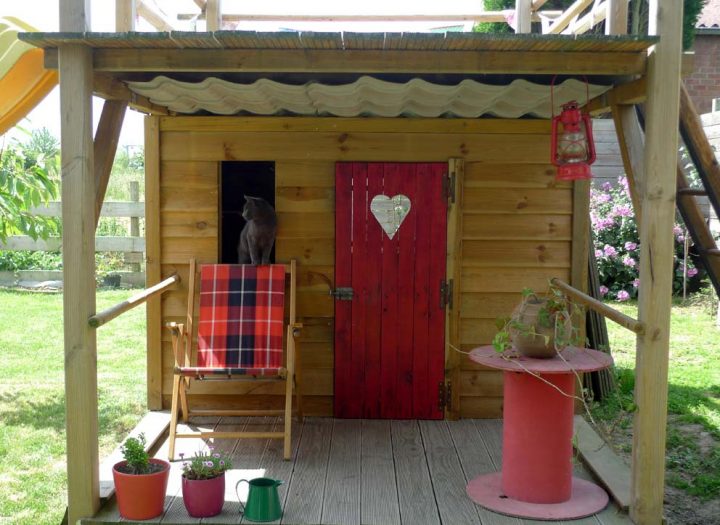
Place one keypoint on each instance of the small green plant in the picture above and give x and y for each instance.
(206, 465)
(555, 310)
(138, 460)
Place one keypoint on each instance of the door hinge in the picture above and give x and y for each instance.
(343, 294)
(444, 396)
(446, 294)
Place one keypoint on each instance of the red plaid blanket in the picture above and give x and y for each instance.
(241, 317)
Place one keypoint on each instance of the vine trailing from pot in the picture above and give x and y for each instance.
(540, 326)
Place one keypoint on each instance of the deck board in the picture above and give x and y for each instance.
(341, 503)
(412, 475)
(307, 488)
(475, 460)
(379, 496)
(446, 475)
(360, 472)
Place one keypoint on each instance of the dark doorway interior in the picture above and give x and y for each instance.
(237, 179)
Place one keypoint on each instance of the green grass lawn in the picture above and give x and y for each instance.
(693, 446)
(32, 407)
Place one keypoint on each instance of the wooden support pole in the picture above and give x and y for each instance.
(78, 215)
(125, 15)
(213, 15)
(111, 313)
(155, 17)
(656, 262)
(632, 149)
(523, 15)
(570, 13)
(584, 299)
(616, 20)
(153, 270)
(453, 268)
(107, 137)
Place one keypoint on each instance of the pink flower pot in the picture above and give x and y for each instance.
(204, 497)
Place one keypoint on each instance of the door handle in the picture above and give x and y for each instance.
(343, 294)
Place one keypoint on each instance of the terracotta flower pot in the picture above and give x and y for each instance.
(204, 498)
(141, 496)
(540, 343)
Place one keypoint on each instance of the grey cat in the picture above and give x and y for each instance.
(258, 234)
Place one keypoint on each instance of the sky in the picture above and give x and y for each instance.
(44, 15)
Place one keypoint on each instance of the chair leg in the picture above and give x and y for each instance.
(184, 409)
(173, 416)
(287, 451)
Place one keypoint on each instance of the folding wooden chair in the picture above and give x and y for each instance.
(239, 337)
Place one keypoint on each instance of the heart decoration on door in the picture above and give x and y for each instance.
(390, 212)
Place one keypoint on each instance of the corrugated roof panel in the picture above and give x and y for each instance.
(367, 96)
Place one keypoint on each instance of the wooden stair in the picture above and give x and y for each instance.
(630, 130)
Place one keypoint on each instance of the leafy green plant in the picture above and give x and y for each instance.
(28, 178)
(554, 312)
(206, 465)
(138, 460)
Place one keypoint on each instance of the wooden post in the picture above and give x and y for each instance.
(153, 271)
(134, 221)
(125, 15)
(78, 215)
(656, 260)
(454, 359)
(523, 16)
(616, 21)
(213, 15)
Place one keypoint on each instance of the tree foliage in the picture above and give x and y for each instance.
(28, 178)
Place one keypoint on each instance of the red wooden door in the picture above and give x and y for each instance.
(390, 338)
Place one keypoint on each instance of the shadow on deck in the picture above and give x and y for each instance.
(359, 472)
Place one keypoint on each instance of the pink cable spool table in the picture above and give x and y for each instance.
(536, 480)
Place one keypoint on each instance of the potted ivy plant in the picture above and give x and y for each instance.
(540, 326)
(203, 483)
(140, 481)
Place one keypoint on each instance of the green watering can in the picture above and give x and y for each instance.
(263, 502)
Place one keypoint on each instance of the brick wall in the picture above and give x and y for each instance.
(704, 84)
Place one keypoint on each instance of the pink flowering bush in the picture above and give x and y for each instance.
(617, 244)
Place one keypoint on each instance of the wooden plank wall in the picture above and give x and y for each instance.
(517, 224)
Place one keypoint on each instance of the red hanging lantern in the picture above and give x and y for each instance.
(572, 149)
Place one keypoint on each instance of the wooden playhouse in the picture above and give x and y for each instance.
(320, 124)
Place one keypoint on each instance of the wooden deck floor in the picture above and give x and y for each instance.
(361, 472)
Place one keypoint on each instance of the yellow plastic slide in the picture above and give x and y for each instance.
(24, 82)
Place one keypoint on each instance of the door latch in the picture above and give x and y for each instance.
(342, 294)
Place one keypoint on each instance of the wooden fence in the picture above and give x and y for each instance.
(132, 246)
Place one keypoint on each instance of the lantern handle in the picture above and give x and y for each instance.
(552, 100)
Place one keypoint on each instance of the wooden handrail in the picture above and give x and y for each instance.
(614, 315)
(111, 313)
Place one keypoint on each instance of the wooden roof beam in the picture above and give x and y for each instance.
(154, 16)
(621, 95)
(537, 4)
(567, 17)
(362, 61)
(109, 88)
(597, 14)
